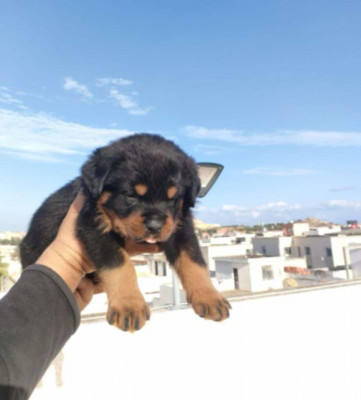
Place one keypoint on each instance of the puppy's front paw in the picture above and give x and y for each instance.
(128, 314)
(210, 305)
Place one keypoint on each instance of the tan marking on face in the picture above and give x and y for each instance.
(141, 189)
(168, 228)
(103, 220)
(127, 309)
(104, 197)
(171, 192)
(131, 226)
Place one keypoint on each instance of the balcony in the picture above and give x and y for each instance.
(302, 345)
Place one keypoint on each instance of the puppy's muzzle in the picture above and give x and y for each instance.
(154, 224)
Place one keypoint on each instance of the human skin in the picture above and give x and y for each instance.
(67, 257)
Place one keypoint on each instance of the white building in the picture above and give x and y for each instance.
(211, 252)
(272, 246)
(323, 230)
(254, 274)
(319, 251)
(158, 264)
(296, 228)
(355, 260)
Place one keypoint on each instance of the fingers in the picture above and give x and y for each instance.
(69, 222)
(78, 202)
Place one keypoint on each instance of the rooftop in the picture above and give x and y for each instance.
(303, 345)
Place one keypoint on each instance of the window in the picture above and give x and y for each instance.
(267, 272)
(328, 252)
(164, 269)
(288, 251)
(236, 278)
(156, 267)
(308, 251)
(299, 251)
(263, 249)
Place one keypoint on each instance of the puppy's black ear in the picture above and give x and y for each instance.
(95, 171)
(192, 184)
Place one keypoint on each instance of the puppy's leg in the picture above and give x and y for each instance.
(184, 254)
(127, 308)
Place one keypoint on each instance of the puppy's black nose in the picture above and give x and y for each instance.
(154, 225)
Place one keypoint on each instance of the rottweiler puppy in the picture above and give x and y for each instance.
(141, 187)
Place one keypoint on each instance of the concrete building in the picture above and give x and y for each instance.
(254, 274)
(222, 240)
(296, 228)
(158, 264)
(211, 252)
(355, 260)
(272, 246)
(319, 251)
(323, 230)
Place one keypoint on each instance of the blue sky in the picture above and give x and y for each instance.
(270, 89)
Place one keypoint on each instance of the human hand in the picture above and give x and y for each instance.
(67, 257)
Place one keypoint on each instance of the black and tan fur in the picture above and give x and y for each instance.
(142, 188)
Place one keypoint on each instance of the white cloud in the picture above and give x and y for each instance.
(278, 206)
(44, 137)
(128, 103)
(234, 209)
(342, 188)
(34, 157)
(230, 214)
(279, 211)
(285, 137)
(279, 171)
(113, 81)
(210, 149)
(356, 205)
(9, 99)
(72, 84)
(123, 100)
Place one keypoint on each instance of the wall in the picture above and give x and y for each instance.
(258, 283)
(355, 258)
(338, 243)
(250, 273)
(274, 246)
(211, 252)
(318, 246)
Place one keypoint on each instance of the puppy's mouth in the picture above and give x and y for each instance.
(151, 241)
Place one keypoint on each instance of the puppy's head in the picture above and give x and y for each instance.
(142, 186)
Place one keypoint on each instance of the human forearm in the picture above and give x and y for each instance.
(37, 317)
